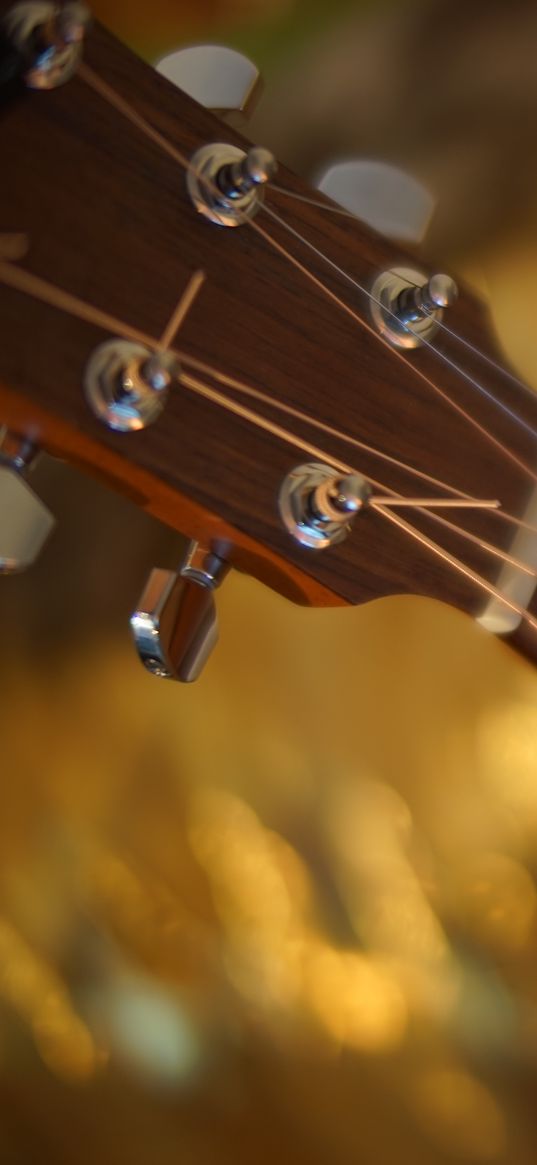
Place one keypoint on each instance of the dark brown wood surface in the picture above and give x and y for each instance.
(109, 220)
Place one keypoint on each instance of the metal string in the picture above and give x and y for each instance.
(33, 285)
(456, 564)
(123, 107)
(426, 343)
(257, 394)
(429, 511)
(390, 499)
(500, 368)
(305, 418)
(180, 313)
(39, 288)
(386, 511)
(314, 202)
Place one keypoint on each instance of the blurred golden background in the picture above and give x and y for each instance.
(289, 912)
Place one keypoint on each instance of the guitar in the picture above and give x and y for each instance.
(217, 476)
(291, 354)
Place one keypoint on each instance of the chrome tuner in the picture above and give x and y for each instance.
(317, 503)
(127, 384)
(175, 625)
(226, 184)
(25, 522)
(48, 40)
(408, 306)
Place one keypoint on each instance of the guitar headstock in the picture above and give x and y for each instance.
(279, 359)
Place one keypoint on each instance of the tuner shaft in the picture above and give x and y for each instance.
(43, 42)
(318, 504)
(226, 184)
(407, 307)
(127, 385)
(238, 179)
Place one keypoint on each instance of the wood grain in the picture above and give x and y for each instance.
(109, 220)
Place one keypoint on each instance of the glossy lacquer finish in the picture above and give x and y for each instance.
(108, 219)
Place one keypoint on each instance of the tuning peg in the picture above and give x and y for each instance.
(227, 184)
(407, 306)
(383, 196)
(25, 522)
(175, 625)
(47, 40)
(127, 385)
(318, 503)
(217, 77)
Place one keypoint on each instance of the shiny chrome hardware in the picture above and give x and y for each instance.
(175, 625)
(126, 384)
(49, 39)
(226, 184)
(25, 522)
(407, 305)
(317, 503)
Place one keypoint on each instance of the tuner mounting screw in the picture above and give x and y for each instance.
(126, 384)
(317, 503)
(226, 184)
(48, 39)
(407, 306)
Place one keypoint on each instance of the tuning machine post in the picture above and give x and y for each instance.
(25, 521)
(407, 306)
(46, 41)
(318, 503)
(226, 184)
(126, 384)
(175, 624)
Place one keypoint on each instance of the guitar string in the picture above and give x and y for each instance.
(438, 503)
(494, 364)
(426, 343)
(178, 316)
(455, 563)
(21, 280)
(459, 530)
(500, 368)
(380, 506)
(122, 106)
(216, 397)
(316, 202)
(31, 284)
(272, 402)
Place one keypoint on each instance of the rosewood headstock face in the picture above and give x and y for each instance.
(94, 204)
